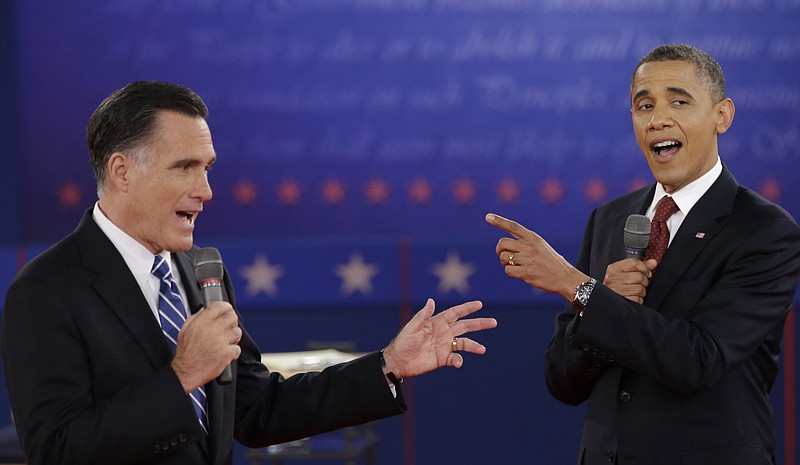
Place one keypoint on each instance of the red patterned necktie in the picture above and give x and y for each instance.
(659, 233)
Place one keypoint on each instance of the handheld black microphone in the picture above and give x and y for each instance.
(208, 268)
(637, 236)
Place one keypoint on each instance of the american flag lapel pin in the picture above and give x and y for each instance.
(700, 235)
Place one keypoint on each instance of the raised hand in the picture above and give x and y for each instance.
(429, 341)
(527, 256)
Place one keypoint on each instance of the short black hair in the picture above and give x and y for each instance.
(125, 120)
(709, 71)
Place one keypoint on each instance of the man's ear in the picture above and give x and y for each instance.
(119, 169)
(724, 113)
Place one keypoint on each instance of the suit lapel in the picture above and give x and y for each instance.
(696, 232)
(115, 284)
(185, 264)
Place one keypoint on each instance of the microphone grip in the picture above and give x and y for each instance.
(634, 252)
(212, 292)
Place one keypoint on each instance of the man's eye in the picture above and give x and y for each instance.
(186, 167)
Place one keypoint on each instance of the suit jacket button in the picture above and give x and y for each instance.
(586, 348)
(173, 442)
(610, 455)
(164, 445)
(182, 437)
(156, 448)
(625, 396)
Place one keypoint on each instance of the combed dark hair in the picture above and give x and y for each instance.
(709, 71)
(125, 120)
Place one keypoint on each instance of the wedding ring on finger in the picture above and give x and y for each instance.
(511, 259)
(454, 345)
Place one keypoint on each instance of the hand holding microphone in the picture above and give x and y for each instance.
(209, 271)
(630, 278)
(208, 339)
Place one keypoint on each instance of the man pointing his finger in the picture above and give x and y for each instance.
(676, 354)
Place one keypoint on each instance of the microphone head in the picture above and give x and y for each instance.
(637, 232)
(208, 264)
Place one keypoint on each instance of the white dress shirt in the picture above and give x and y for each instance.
(139, 260)
(685, 198)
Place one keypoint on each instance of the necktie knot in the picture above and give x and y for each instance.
(666, 207)
(160, 268)
(171, 311)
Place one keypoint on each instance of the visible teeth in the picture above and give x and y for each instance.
(666, 143)
(189, 216)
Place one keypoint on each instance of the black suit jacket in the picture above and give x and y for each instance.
(685, 377)
(89, 376)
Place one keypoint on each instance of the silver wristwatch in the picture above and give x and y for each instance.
(582, 294)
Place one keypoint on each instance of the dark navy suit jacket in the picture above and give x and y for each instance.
(90, 382)
(685, 377)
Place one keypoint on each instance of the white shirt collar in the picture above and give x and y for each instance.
(138, 258)
(688, 195)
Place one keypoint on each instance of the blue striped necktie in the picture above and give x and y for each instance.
(172, 314)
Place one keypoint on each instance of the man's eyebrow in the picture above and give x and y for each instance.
(188, 161)
(680, 91)
(640, 94)
(671, 90)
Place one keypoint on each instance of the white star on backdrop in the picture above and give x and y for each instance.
(356, 275)
(261, 276)
(453, 274)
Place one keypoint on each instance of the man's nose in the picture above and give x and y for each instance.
(203, 188)
(660, 118)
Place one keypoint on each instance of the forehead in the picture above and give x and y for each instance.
(174, 125)
(187, 133)
(658, 76)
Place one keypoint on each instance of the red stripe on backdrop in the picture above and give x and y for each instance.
(789, 391)
(406, 312)
(22, 257)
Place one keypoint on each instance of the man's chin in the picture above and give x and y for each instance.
(183, 245)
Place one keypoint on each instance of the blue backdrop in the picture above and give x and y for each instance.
(360, 144)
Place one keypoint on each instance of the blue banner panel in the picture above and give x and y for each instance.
(399, 116)
(305, 272)
(371, 271)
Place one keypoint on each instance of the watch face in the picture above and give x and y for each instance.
(583, 292)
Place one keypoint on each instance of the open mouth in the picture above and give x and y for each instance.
(187, 216)
(664, 148)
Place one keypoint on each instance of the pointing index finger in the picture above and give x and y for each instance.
(509, 226)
